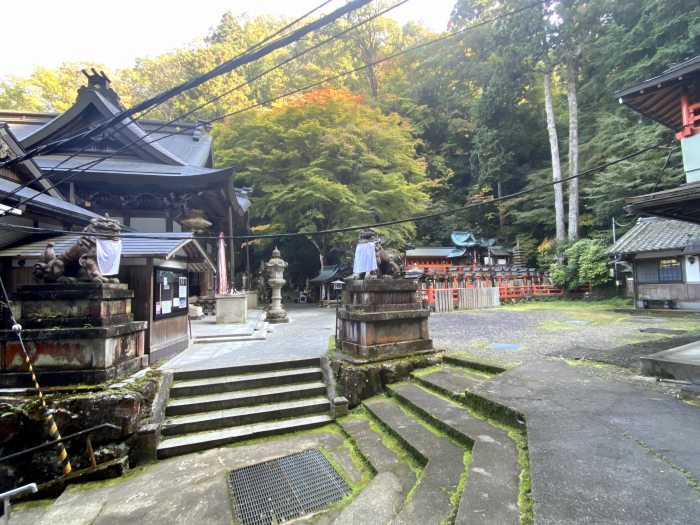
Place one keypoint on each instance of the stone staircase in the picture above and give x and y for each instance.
(213, 407)
(490, 493)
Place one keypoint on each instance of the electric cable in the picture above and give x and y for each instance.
(226, 67)
(321, 82)
(470, 205)
(658, 179)
(140, 117)
(91, 164)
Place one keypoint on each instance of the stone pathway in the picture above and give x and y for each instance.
(603, 452)
(187, 490)
(306, 335)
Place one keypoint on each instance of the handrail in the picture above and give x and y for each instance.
(5, 497)
(64, 438)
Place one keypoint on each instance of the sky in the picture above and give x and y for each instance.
(48, 32)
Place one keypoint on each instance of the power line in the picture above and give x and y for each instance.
(86, 166)
(226, 67)
(91, 164)
(126, 124)
(471, 205)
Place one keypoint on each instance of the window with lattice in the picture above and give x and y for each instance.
(656, 271)
(670, 271)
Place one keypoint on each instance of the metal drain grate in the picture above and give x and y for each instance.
(285, 488)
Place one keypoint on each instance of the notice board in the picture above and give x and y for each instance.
(170, 291)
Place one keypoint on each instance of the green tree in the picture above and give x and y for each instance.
(584, 263)
(327, 160)
(53, 90)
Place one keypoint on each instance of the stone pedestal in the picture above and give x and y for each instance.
(74, 333)
(231, 308)
(252, 299)
(381, 319)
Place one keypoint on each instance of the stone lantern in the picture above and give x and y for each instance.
(275, 271)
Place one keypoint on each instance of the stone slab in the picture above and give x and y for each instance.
(604, 452)
(386, 350)
(73, 377)
(388, 315)
(229, 383)
(476, 364)
(681, 363)
(205, 440)
(222, 401)
(373, 449)
(450, 382)
(377, 504)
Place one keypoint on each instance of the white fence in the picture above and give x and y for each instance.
(449, 299)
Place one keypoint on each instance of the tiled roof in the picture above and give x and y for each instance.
(161, 245)
(654, 235)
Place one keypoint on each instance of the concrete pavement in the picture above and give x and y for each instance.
(306, 335)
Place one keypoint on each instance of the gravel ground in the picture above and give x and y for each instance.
(574, 331)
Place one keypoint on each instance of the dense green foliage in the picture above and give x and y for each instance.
(327, 160)
(584, 263)
(459, 121)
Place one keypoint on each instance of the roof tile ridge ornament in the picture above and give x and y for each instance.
(100, 82)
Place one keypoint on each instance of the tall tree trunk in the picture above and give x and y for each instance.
(499, 206)
(571, 76)
(556, 164)
(320, 251)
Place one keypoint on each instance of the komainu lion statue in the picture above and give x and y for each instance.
(389, 261)
(79, 262)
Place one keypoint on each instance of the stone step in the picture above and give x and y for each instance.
(475, 364)
(430, 502)
(247, 367)
(452, 382)
(383, 498)
(243, 416)
(256, 335)
(372, 448)
(491, 491)
(205, 440)
(231, 383)
(257, 396)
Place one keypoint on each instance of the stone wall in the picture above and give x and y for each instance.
(22, 426)
(358, 382)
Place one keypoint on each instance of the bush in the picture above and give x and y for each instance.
(584, 263)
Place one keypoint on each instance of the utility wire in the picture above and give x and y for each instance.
(226, 67)
(658, 179)
(74, 172)
(126, 124)
(86, 166)
(471, 205)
